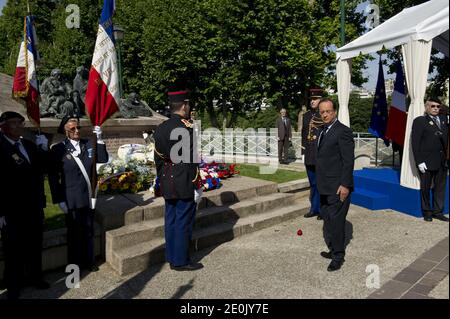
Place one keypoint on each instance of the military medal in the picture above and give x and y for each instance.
(17, 159)
(69, 157)
(314, 137)
(431, 123)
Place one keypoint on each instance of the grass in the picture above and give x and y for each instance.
(280, 176)
(54, 217)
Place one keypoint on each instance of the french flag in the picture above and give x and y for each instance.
(102, 94)
(397, 114)
(25, 83)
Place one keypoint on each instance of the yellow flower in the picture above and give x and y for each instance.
(122, 178)
(103, 187)
(125, 186)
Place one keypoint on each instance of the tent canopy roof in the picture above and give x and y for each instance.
(427, 21)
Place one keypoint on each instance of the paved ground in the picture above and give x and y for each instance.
(276, 263)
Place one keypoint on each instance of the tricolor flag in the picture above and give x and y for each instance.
(25, 85)
(397, 114)
(102, 94)
(378, 121)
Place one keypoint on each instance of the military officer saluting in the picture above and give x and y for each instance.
(312, 125)
(178, 174)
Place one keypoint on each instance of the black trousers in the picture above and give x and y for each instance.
(283, 146)
(80, 237)
(22, 249)
(439, 178)
(334, 213)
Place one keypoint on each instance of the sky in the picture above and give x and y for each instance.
(371, 72)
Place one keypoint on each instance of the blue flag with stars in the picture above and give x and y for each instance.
(379, 119)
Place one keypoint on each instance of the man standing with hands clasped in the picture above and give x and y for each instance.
(334, 169)
(429, 143)
(284, 136)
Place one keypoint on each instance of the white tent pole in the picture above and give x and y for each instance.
(416, 57)
(343, 72)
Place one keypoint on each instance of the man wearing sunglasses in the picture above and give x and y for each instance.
(69, 177)
(429, 144)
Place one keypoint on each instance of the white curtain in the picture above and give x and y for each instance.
(343, 71)
(416, 56)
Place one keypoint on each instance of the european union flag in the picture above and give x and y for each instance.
(379, 119)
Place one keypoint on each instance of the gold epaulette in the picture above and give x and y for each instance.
(187, 123)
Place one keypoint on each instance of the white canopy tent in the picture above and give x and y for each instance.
(416, 29)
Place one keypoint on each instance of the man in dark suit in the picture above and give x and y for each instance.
(22, 207)
(312, 125)
(334, 169)
(284, 136)
(429, 144)
(178, 174)
(69, 178)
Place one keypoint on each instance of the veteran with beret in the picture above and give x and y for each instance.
(429, 138)
(23, 166)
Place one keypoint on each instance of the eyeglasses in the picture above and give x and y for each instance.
(74, 129)
(437, 106)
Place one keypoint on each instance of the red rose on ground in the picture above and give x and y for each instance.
(299, 232)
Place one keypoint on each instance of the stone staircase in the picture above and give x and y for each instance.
(243, 205)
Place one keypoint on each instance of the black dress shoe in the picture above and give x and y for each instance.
(335, 265)
(319, 217)
(326, 254)
(441, 217)
(188, 267)
(310, 214)
(428, 219)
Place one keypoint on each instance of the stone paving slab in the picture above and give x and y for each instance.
(277, 263)
(418, 279)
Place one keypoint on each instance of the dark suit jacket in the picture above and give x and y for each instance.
(310, 146)
(284, 131)
(67, 182)
(429, 143)
(176, 180)
(22, 183)
(335, 160)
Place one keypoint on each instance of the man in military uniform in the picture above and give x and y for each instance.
(312, 125)
(429, 137)
(178, 173)
(69, 179)
(23, 202)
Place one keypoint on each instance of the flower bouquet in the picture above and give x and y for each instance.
(133, 172)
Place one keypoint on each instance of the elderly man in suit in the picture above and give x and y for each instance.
(429, 137)
(69, 178)
(284, 136)
(334, 169)
(23, 202)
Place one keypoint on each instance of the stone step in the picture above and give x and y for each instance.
(138, 257)
(140, 232)
(240, 189)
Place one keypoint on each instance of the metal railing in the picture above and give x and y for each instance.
(263, 144)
